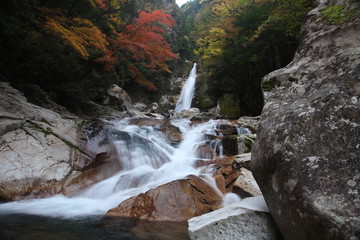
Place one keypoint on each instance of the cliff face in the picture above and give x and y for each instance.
(306, 156)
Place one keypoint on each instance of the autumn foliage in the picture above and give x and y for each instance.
(142, 43)
(143, 39)
(101, 4)
(79, 34)
(139, 43)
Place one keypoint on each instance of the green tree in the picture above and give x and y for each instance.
(240, 41)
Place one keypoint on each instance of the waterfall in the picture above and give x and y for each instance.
(146, 159)
(187, 92)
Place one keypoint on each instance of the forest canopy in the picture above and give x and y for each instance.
(75, 49)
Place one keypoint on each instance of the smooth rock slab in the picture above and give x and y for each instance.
(235, 221)
(38, 147)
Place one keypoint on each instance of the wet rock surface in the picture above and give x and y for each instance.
(175, 201)
(172, 132)
(306, 156)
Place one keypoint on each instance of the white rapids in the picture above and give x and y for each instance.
(141, 172)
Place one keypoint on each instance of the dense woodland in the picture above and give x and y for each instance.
(73, 50)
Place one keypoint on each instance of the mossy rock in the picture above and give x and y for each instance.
(245, 143)
(268, 84)
(205, 101)
(229, 106)
(338, 14)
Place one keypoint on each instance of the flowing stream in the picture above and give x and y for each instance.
(148, 160)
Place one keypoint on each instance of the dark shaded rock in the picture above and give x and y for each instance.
(227, 129)
(206, 101)
(229, 106)
(306, 156)
(95, 110)
(230, 145)
(204, 97)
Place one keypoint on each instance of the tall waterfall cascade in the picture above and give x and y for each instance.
(187, 92)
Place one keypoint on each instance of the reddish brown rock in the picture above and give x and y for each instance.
(176, 201)
(205, 152)
(220, 183)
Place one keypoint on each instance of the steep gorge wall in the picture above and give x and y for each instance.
(306, 156)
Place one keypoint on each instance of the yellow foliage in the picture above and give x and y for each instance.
(212, 45)
(77, 33)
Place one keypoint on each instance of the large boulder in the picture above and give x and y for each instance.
(306, 156)
(38, 147)
(176, 201)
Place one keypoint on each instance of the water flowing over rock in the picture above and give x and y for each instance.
(185, 198)
(145, 168)
(175, 201)
(306, 156)
(120, 93)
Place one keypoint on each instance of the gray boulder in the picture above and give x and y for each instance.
(306, 155)
(38, 147)
(246, 220)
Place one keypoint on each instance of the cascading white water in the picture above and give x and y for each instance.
(149, 161)
(187, 92)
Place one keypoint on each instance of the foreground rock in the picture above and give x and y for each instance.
(306, 157)
(39, 147)
(176, 201)
(248, 219)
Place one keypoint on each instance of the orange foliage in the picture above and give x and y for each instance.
(77, 33)
(101, 4)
